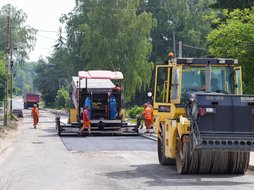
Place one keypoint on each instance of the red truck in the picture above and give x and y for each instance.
(30, 99)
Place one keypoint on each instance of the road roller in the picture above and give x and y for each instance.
(204, 123)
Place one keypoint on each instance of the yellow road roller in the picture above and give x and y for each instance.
(204, 124)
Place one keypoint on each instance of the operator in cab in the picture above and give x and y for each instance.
(117, 88)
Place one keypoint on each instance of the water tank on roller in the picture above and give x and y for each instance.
(113, 111)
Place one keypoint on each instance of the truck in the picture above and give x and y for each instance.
(95, 88)
(204, 123)
(30, 99)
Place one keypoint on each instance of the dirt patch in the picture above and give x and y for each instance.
(5, 131)
(7, 138)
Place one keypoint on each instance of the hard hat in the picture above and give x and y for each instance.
(35, 105)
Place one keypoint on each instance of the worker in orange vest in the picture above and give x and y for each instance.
(147, 117)
(151, 122)
(35, 115)
(86, 121)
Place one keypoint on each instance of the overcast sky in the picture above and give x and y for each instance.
(43, 16)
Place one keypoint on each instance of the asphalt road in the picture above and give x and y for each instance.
(38, 159)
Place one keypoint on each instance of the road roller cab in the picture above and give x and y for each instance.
(203, 122)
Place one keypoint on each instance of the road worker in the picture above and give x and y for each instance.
(122, 113)
(117, 88)
(151, 122)
(86, 121)
(35, 115)
(147, 117)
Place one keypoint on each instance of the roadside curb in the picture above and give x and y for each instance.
(58, 112)
(149, 136)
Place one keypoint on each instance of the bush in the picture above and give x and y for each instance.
(62, 98)
(135, 111)
(41, 104)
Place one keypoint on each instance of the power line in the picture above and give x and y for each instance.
(45, 37)
(199, 48)
(49, 31)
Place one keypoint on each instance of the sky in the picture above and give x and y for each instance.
(44, 16)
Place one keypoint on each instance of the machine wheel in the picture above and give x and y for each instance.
(59, 130)
(182, 156)
(238, 162)
(161, 152)
(58, 126)
(244, 162)
(136, 130)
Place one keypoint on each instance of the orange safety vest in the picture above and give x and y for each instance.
(35, 112)
(148, 113)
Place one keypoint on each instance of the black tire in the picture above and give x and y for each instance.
(25, 106)
(136, 130)
(58, 126)
(161, 152)
(182, 156)
(239, 162)
(59, 130)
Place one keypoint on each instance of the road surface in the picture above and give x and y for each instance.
(38, 159)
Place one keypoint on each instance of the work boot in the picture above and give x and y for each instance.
(35, 126)
(89, 131)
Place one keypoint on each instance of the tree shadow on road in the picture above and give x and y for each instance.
(158, 175)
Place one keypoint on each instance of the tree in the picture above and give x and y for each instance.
(62, 98)
(2, 76)
(47, 81)
(231, 5)
(69, 56)
(22, 37)
(25, 75)
(116, 38)
(178, 20)
(234, 38)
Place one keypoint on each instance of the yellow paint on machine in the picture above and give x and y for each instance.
(73, 115)
(171, 128)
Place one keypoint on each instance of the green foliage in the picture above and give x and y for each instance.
(48, 80)
(231, 5)
(223, 7)
(27, 88)
(25, 75)
(134, 111)
(22, 35)
(22, 39)
(17, 90)
(69, 57)
(41, 104)
(110, 43)
(130, 36)
(234, 38)
(178, 20)
(62, 98)
(2, 76)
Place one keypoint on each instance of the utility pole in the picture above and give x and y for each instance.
(6, 73)
(180, 49)
(11, 69)
(174, 43)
